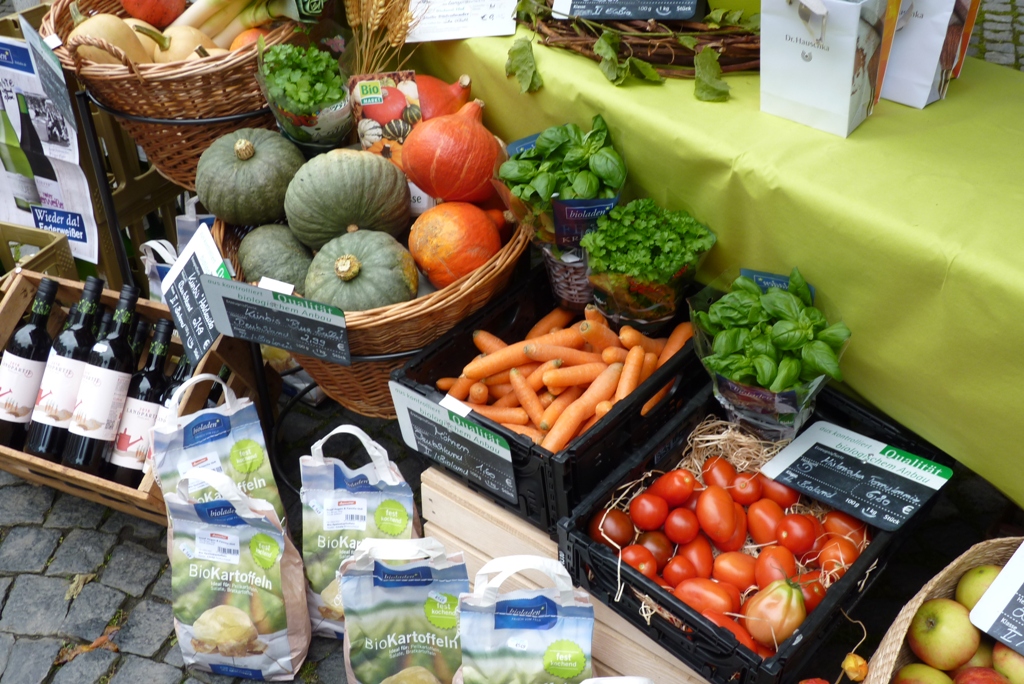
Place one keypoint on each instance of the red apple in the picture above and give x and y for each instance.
(1008, 663)
(979, 675)
(919, 673)
(981, 658)
(941, 634)
(973, 584)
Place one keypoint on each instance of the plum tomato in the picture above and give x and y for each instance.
(704, 594)
(774, 613)
(811, 558)
(735, 568)
(838, 555)
(700, 555)
(614, 530)
(812, 588)
(742, 635)
(763, 517)
(660, 546)
(739, 535)
(718, 471)
(716, 513)
(746, 489)
(774, 563)
(779, 493)
(681, 526)
(734, 593)
(647, 511)
(640, 558)
(691, 503)
(844, 525)
(662, 583)
(677, 570)
(674, 487)
(796, 532)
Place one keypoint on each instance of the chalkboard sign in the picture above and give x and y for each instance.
(1000, 612)
(183, 293)
(874, 482)
(291, 323)
(458, 444)
(612, 10)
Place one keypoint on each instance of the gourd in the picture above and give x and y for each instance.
(111, 29)
(158, 13)
(243, 176)
(452, 157)
(389, 149)
(412, 115)
(361, 270)
(202, 53)
(397, 130)
(438, 98)
(176, 43)
(146, 41)
(370, 132)
(451, 240)
(273, 251)
(343, 188)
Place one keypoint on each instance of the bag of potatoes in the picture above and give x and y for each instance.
(236, 583)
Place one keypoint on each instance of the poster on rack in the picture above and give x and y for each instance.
(44, 185)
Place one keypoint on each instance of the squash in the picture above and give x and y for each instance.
(370, 132)
(176, 43)
(111, 29)
(389, 149)
(158, 13)
(412, 115)
(146, 41)
(452, 157)
(451, 240)
(397, 130)
(361, 270)
(394, 102)
(273, 251)
(202, 53)
(243, 176)
(343, 188)
(438, 98)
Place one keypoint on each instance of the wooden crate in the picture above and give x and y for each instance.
(465, 521)
(53, 258)
(147, 501)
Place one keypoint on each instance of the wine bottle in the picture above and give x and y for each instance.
(45, 177)
(105, 323)
(72, 310)
(181, 373)
(139, 337)
(55, 402)
(127, 453)
(97, 320)
(104, 390)
(21, 369)
(17, 170)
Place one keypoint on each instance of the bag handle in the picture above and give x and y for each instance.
(400, 549)
(486, 591)
(378, 454)
(225, 487)
(230, 400)
(159, 248)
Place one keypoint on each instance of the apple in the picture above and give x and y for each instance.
(973, 584)
(1008, 663)
(981, 658)
(941, 634)
(979, 675)
(919, 673)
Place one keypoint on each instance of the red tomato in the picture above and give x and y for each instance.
(838, 555)
(734, 594)
(648, 511)
(674, 487)
(774, 613)
(699, 553)
(746, 489)
(718, 471)
(662, 583)
(839, 523)
(739, 535)
(691, 503)
(703, 594)
(614, 530)
(742, 635)
(774, 563)
(641, 558)
(677, 570)
(779, 493)
(681, 526)
(660, 546)
(766, 652)
(716, 513)
(763, 517)
(735, 568)
(812, 589)
(796, 532)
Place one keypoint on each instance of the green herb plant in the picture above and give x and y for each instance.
(301, 81)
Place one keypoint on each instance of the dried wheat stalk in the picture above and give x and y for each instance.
(379, 30)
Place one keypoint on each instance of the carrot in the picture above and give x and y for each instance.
(583, 408)
(602, 409)
(569, 357)
(513, 355)
(486, 342)
(502, 377)
(460, 390)
(546, 398)
(528, 398)
(599, 336)
(594, 316)
(574, 375)
(676, 341)
(533, 433)
(558, 317)
(631, 370)
(560, 403)
(510, 400)
(556, 390)
(613, 355)
(445, 384)
(586, 426)
(631, 337)
(516, 416)
(478, 393)
(650, 365)
(653, 401)
(536, 379)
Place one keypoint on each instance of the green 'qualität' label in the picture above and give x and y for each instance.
(564, 659)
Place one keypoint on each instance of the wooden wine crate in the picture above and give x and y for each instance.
(465, 521)
(53, 258)
(147, 501)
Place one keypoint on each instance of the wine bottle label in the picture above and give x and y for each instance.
(24, 188)
(100, 401)
(19, 385)
(132, 442)
(49, 193)
(55, 403)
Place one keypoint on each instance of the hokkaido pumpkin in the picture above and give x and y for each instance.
(274, 252)
(452, 157)
(452, 240)
(438, 98)
(361, 270)
(158, 13)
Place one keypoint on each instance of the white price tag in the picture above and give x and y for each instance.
(344, 514)
(419, 201)
(209, 462)
(217, 546)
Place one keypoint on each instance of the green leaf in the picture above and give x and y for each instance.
(835, 335)
(586, 185)
(642, 70)
(544, 184)
(715, 18)
(521, 64)
(752, 23)
(798, 286)
(781, 304)
(733, 309)
(576, 157)
(787, 375)
(789, 335)
(688, 41)
(552, 141)
(747, 285)
(703, 321)
(766, 369)
(730, 341)
(516, 171)
(607, 48)
(708, 85)
(733, 18)
(608, 165)
(820, 358)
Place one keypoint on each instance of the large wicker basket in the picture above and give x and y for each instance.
(363, 386)
(192, 92)
(893, 653)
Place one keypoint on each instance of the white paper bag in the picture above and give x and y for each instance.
(820, 61)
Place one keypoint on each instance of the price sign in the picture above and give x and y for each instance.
(627, 9)
(458, 444)
(1000, 612)
(184, 295)
(877, 483)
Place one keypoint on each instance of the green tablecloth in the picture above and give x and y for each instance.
(912, 225)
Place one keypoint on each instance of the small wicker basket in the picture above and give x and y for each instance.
(568, 280)
(893, 652)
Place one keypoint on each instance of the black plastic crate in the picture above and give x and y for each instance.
(712, 651)
(549, 486)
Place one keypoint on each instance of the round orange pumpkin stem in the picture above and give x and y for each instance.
(347, 267)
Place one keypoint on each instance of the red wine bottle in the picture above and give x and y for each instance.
(182, 372)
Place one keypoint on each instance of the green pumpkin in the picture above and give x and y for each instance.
(362, 270)
(274, 252)
(243, 176)
(344, 188)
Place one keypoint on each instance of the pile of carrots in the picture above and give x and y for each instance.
(564, 377)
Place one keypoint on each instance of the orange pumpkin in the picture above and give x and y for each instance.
(158, 13)
(452, 240)
(452, 157)
(389, 149)
(438, 98)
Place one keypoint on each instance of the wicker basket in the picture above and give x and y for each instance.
(893, 653)
(568, 280)
(209, 88)
(363, 386)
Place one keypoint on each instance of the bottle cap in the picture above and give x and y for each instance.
(93, 285)
(164, 328)
(130, 294)
(47, 289)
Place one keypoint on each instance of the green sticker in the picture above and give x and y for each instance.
(264, 550)
(246, 456)
(391, 517)
(441, 610)
(564, 659)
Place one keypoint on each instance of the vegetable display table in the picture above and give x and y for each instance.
(911, 224)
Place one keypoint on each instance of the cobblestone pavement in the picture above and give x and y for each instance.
(998, 36)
